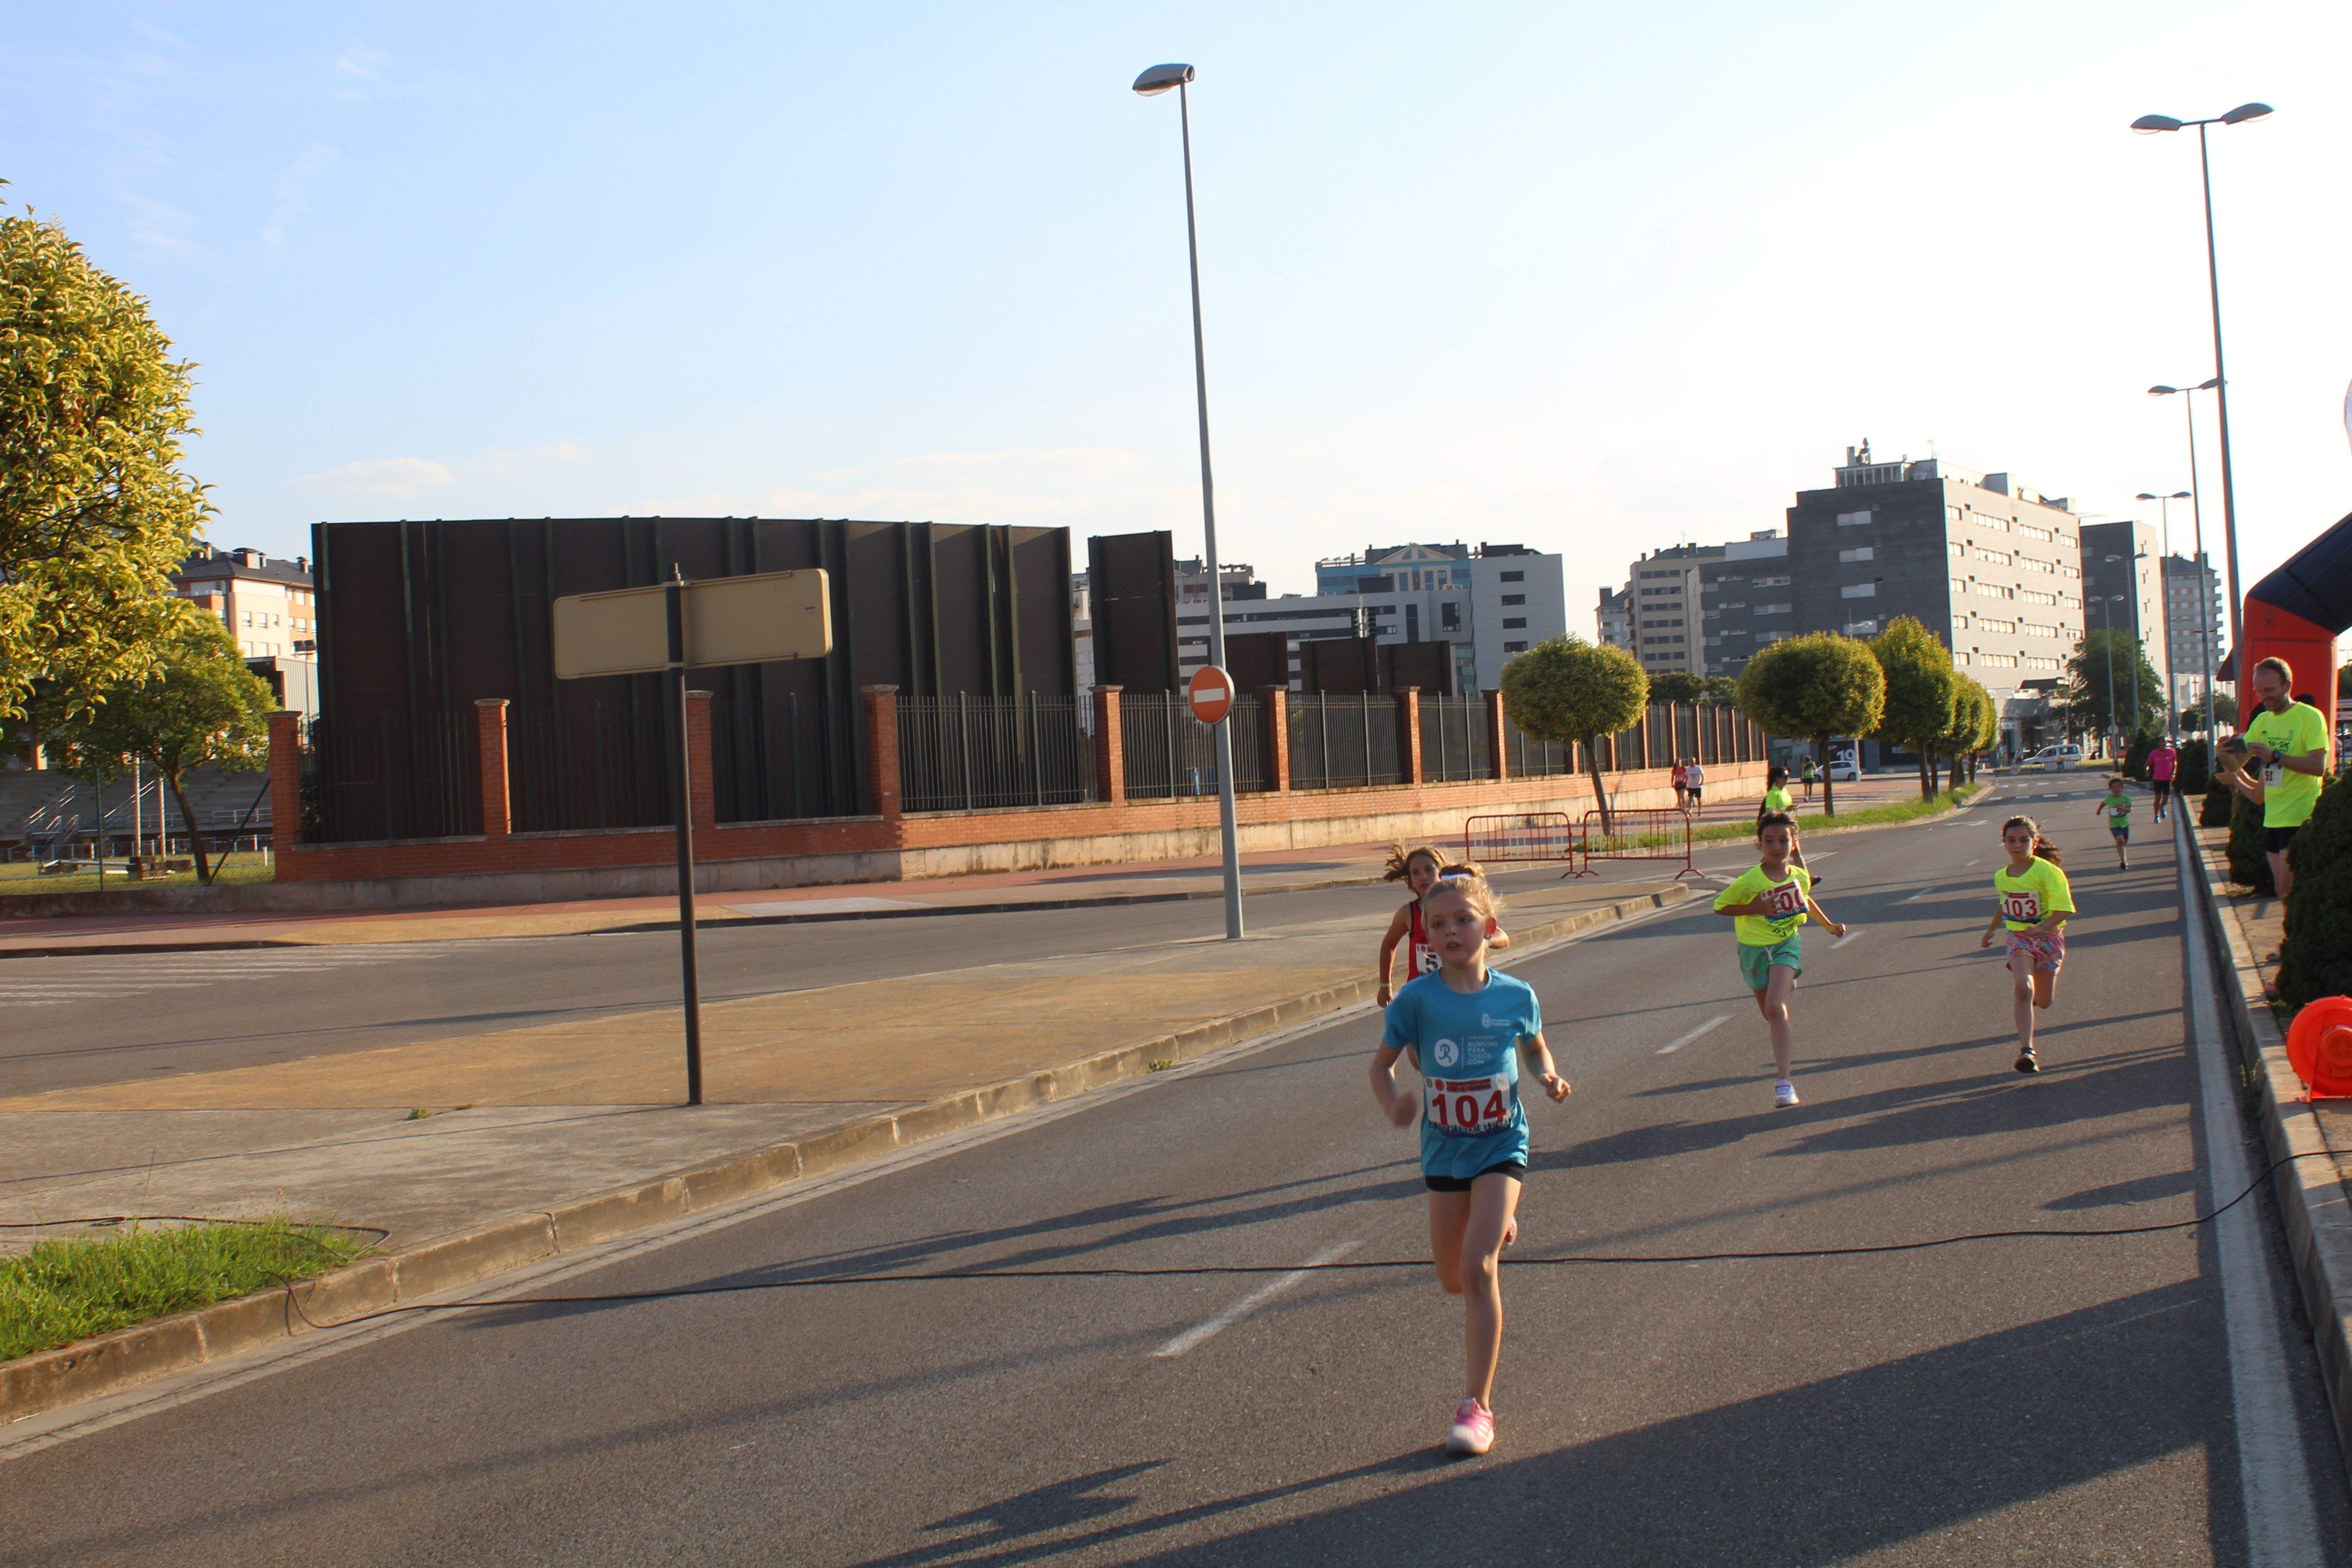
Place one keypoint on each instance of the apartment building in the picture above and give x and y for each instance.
(269, 608)
(1614, 617)
(1490, 600)
(1704, 609)
(2123, 587)
(2193, 633)
(1992, 566)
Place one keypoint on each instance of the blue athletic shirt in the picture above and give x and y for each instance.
(1465, 1046)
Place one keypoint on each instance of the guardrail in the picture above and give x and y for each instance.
(1524, 837)
(1639, 833)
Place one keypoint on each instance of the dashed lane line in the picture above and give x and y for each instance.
(1679, 1041)
(1198, 1333)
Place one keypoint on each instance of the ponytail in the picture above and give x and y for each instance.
(1400, 865)
(2042, 848)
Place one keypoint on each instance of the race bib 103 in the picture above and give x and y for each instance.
(2025, 907)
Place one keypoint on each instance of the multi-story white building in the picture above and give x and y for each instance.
(1614, 618)
(1490, 601)
(269, 607)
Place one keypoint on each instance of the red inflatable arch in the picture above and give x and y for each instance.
(2295, 614)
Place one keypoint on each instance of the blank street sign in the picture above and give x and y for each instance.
(729, 620)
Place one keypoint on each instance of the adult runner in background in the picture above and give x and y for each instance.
(2288, 742)
(2163, 763)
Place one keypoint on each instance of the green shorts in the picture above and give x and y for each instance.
(1755, 962)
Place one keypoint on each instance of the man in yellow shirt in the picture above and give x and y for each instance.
(2288, 739)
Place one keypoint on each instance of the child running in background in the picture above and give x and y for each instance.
(2116, 808)
(2034, 903)
(1776, 799)
(1418, 868)
(1767, 902)
(1470, 1033)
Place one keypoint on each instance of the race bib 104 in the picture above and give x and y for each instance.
(1468, 1107)
(2025, 907)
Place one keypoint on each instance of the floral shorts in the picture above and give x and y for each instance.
(2048, 948)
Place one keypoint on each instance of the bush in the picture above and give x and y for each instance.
(2193, 773)
(2315, 959)
(2249, 866)
(2136, 757)
(2218, 804)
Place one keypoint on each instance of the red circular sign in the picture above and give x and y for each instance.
(1211, 693)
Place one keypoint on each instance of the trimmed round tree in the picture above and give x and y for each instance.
(1976, 724)
(1815, 686)
(1922, 689)
(1679, 686)
(2315, 959)
(1565, 690)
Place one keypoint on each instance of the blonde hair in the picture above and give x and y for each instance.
(1401, 859)
(1472, 884)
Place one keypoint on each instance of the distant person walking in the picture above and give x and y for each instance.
(1812, 775)
(1766, 904)
(2289, 740)
(2163, 765)
(1682, 786)
(1695, 781)
(2034, 903)
(1473, 1035)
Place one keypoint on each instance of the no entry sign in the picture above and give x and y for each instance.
(1211, 694)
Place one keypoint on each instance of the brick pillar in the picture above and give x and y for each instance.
(1496, 755)
(1110, 749)
(491, 724)
(700, 788)
(285, 779)
(882, 749)
(1276, 706)
(1409, 716)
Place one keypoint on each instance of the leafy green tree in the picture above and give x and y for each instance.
(1921, 689)
(2086, 684)
(198, 706)
(1677, 686)
(1815, 686)
(1722, 691)
(95, 513)
(2315, 959)
(1566, 690)
(1976, 725)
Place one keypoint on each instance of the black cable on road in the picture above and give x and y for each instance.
(1341, 1266)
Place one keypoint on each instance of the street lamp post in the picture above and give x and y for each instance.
(2171, 687)
(1150, 84)
(2197, 511)
(2148, 125)
(2107, 622)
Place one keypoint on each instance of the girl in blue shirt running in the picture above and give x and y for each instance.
(1468, 1032)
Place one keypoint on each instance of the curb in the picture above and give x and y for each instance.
(2313, 1204)
(111, 1363)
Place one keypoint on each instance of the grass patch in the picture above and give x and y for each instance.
(21, 877)
(65, 1290)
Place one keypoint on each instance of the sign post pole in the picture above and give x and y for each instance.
(681, 781)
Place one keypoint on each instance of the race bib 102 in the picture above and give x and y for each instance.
(1468, 1107)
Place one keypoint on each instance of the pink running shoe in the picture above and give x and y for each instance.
(1473, 1431)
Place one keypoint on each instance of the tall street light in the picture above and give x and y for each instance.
(1150, 84)
(2148, 125)
(2197, 511)
(2171, 686)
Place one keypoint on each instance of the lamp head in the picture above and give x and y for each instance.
(2209, 386)
(2178, 495)
(2149, 124)
(2147, 495)
(2246, 112)
(2162, 391)
(1160, 79)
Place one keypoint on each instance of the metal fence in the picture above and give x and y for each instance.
(1344, 743)
(976, 754)
(392, 778)
(1529, 758)
(1455, 745)
(567, 775)
(1167, 753)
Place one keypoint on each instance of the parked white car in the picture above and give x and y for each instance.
(1845, 768)
(2053, 757)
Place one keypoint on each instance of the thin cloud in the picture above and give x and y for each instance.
(361, 62)
(293, 195)
(383, 478)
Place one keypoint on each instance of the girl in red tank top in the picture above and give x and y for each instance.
(1417, 868)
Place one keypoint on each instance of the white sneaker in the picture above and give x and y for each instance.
(1784, 1094)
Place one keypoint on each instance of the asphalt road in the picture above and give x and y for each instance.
(2029, 1400)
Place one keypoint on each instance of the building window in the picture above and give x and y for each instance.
(1861, 628)
(1514, 577)
(1449, 616)
(1859, 591)
(1862, 552)
(1519, 623)
(1514, 647)
(1770, 583)
(1515, 598)
(1772, 609)
(1852, 519)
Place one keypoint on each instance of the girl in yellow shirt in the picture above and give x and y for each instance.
(2034, 904)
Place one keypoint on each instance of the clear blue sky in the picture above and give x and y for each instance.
(1593, 278)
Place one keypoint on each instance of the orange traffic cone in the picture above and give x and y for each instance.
(2319, 1048)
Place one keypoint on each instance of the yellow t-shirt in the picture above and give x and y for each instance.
(1786, 899)
(2025, 899)
(1776, 800)
(2288, 797)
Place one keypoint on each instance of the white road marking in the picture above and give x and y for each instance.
(1921, 893)
(1846, 938)
(2282, 1526)
(1251, 1302)
(1679, 1041)
(1978, 860)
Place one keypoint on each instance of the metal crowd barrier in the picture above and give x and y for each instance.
(1526, 836)
(1639, 833)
